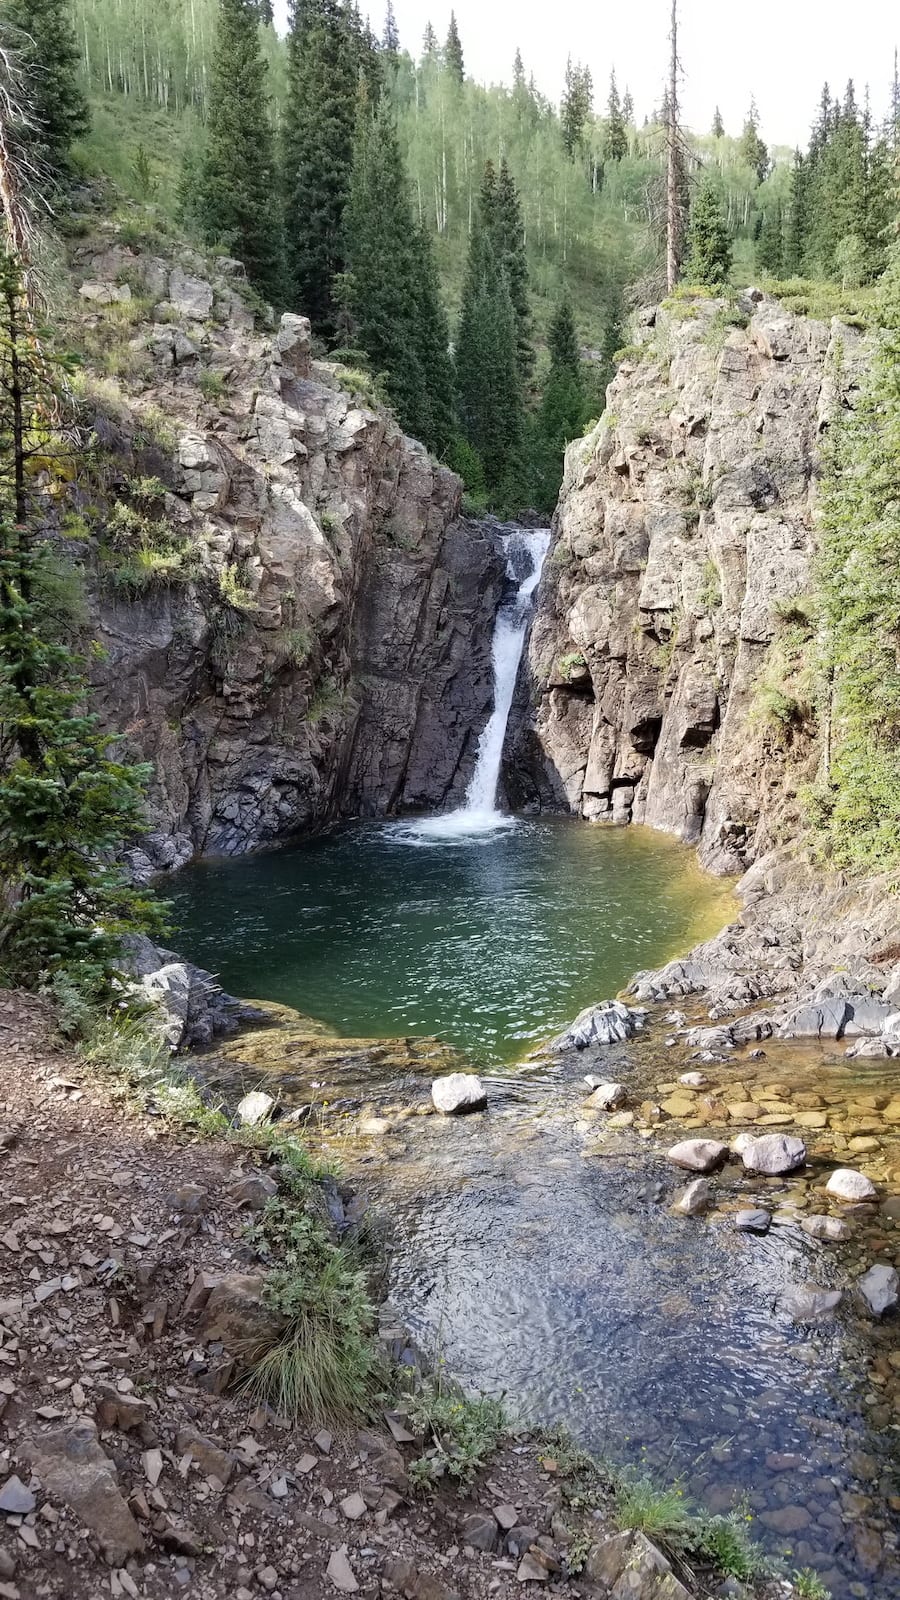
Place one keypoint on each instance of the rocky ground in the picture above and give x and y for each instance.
(128, 1467)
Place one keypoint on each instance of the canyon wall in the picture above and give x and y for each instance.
(308, 633)
(681, 557)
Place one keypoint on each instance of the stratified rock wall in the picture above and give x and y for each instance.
(683, 535)
(329, 651)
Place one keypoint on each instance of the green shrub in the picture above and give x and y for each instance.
(661, 1513)
(462, 1433)
(210, 383)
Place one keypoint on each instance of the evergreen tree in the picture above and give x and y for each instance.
(562, 413)
(429, 43)
(390, 41)
(519, 84)
(488, 373)
(628, 109)
(503, 217)
(43, 37)
(392, 284)
(718, 126)
(265, 12)
(317, 152)
(709, 243)
(615, 143)
(453, 52)
(754, 153)
(770, 250)
(236, 191)
(577, 99)
(797, 229)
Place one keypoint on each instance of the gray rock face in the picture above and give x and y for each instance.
(880, 1288)
(698, 1155)
(330, 653)
(610, 1023)
(458, 1092)
(773, 1154)
(848, 1184)
(685, 522)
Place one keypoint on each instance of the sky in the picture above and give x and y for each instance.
(779, 51)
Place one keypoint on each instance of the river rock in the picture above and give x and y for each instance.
(880, 1288)
(693, 1080)
(753, 1221)
(773, 1154)
(698, 1155)
(806, 1302)
(458, 1092)
(831, 1229)
(607, 1096)
(629, 1566)
(693, 1201)
(610, 1023)
(847, 1184)
(73, 1468)
(255, 1108)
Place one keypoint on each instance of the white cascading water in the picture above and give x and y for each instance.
(526, 549)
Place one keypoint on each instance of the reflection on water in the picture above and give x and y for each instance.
(492, 940)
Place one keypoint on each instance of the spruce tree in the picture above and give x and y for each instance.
(770, 246)
(42, 35)
(576, 106)
(628, 109)
(797, 226)
(561, 417)
(429, 43)
(236, 185)
(753, 151)
(453, 52)
(392, 286)
(317, 153)
(507, 228)
(489, 384)
(709, 242)
(390, 39)
(718, 126)
(615, 143)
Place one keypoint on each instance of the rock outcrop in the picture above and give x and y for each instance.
(293, 621)
(682, 550)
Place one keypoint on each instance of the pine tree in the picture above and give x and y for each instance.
(488, 374)
(709, 243)
(507, 229)
(718, 126)
(754, 153)
(429, 44)
(770, 249)
(453, 52)
(519, 84)
(265, 12)
(561, 417)
(236, 190)
(392, 284)
(390, 39)
(615, 143)
(628, 108)
(576, 107)
(43, 37)
(797, 228)
(317, 152)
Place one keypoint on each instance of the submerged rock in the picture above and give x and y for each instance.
(831, 1229)
(806, 1302)
(693, 1200)
(773, 1154)
(753, 1221)
(847, 1184)
(459, 1092)
(607, 1096)
(880, 1288)
(610, 1023)
(698, 1155)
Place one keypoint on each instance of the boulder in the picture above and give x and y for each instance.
(168, 991)
(693, 1200)
(255, 1108)
(847, 1184)
(880, 1288)
(106, 294)
(831, 1229)
(628, 1566)
(806, 1302)
(293, 343)
(237, 1315)
(73, 1468)
(607, 1096)
(190, 297)
(479, 1530)
(459, 1092)
(610, 1023)
(753, 1221)
(698, 1155)
(774, 1154)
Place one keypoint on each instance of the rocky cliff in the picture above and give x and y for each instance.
(292, 620)
(671, 613)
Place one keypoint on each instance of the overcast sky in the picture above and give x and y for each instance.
(781, 51)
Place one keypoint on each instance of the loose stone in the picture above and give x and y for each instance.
(607, 1096)
(880, 1288)
(830, 1228)
(698, 1155)
(751, 1221)
(848, 1184)
(694, 1200)
(255, 1108)
(806, 1302)
(774, 1154)
(458, 1092)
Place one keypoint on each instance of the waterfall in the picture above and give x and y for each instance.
(525, 550)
